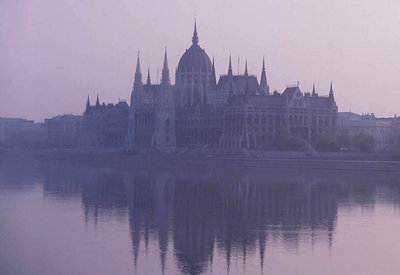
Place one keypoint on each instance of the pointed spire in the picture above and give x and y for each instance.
(313, 89)
(331, 92)
(230, 66)
(195, 39)
(97, 100)
(138, 74)
(213, 77)
(246, 73)
(165, 70)
(263, 82)
(138, 64)
(87, 104)
(263, 67)
(148, 77)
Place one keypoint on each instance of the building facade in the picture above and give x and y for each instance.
(63, 131)
(105, 125)
(234, 112)
(382, 130)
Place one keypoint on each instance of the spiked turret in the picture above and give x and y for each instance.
(165, 70)
(263, 82)
(213, 77)
(195, 38)
(230, 66)
(331, 92)
(87, 104)
(138, 74)
(148, 77)
(313, 90)
(246, 73)
(97, 100)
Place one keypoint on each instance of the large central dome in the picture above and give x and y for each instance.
(195, 58)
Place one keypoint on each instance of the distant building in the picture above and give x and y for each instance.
(105, 125)
(63, 131)
(235, 112)
(16, 132)
(396, 133)
(380, 129)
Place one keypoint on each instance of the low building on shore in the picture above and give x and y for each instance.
(381, 130)
(63, 131)
(18, 132)
(105, 125)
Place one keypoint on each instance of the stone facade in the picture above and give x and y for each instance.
(63, 131)
(18, 132)
(382, 130)
(235, 112)
(105, 125)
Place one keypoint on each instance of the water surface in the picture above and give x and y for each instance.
(65, 218)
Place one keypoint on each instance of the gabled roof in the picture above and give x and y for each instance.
(241, 82)
(291, 91)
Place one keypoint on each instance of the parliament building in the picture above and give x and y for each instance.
(232, 112)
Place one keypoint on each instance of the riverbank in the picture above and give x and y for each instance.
(379, 162)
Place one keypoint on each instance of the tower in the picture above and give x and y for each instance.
(164, 138)
(135, 99)
(148, 83)
(263, 83)
(213, 81)
(331, 97)
(87, 104)
(137, 84)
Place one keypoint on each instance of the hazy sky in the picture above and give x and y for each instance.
(54, 53)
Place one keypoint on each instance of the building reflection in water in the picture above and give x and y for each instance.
(196, 215)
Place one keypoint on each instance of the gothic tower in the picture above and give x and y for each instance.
(164, 138)
(263, 82)
(136, 93)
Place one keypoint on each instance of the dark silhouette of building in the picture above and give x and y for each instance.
(63, 131)
(235, 112)
(105, 125)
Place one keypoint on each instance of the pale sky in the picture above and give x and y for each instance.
(54, 53)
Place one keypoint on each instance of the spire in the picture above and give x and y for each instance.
(87, 104)
(263, 82)
(213, 77)
(331, 92)
(246, 73)
(97, 100)
(230, 66)
(195, 38)
(138, 74)
(313, 89)
(138, 64)
(165, 70)
(148, 77)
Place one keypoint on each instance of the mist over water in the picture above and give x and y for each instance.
(60, 217)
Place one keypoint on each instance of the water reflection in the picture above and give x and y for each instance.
(197, 214)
